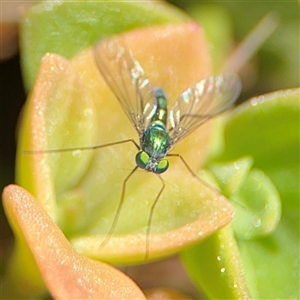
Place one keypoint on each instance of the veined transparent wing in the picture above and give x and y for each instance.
(206, 99)
(127, 80)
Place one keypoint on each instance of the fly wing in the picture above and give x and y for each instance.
(127, 80)
(199, 103)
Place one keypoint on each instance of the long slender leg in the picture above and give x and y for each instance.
(151, 217)
(159, 194)
(81, 148)
(194, 174)
(117, 214)
(209, 186)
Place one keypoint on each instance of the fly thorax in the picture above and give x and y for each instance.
(156, 141)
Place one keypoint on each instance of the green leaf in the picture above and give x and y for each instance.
(256, 199)
(215, 266)
(258, 207)
(266, 129)
(230, 176)
(67, 27)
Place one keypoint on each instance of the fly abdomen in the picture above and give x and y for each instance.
(161, 109)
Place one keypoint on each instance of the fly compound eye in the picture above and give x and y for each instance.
(162, 166)
(142, 159)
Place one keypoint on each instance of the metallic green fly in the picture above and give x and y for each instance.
(159, 127)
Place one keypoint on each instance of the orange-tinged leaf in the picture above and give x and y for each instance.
(72, 107)
(67, 274)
